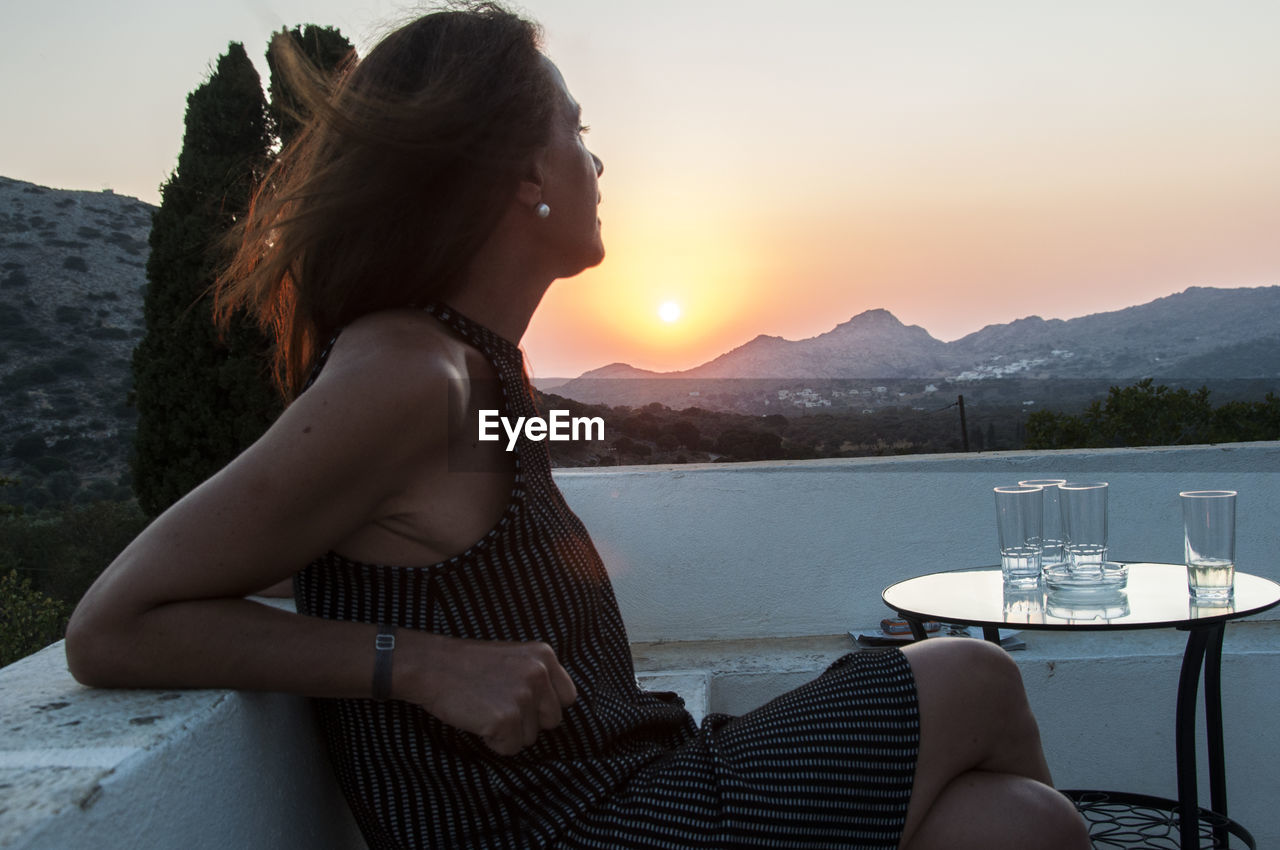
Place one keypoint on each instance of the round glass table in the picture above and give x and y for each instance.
(1154, 596)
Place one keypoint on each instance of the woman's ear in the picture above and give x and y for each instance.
(529, 192)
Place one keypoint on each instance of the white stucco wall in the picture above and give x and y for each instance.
(86, 769)
(719, 551)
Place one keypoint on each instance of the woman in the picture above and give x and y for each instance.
(423, 214)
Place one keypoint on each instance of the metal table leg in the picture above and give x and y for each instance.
(1203, 652)
(1213, 727)
(1133, 820)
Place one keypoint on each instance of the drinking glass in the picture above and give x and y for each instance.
(1209, 542)
(1052, 551)
(1019, 522)
(1084, 525)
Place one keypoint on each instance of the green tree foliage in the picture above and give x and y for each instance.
(1147, 414)
(686, 433)
(29, 620)
(201, 398)
(739, 443)
(327, 48)
(62, 551)
(48, 559)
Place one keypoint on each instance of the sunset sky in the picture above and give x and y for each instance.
(779, 167)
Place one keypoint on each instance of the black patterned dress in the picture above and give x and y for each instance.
(827, 765)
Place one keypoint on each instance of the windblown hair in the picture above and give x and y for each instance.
(406, 165)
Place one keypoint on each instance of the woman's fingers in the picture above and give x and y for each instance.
(566, 690)
(508, 694)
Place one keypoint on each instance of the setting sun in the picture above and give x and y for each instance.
(669, 311)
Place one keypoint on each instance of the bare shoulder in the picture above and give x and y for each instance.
(402, 360)
(404, 345)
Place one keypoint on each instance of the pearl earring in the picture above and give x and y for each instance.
(542, 210)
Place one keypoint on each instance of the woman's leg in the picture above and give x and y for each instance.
(981, 779)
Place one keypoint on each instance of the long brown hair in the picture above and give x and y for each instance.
(401, 174)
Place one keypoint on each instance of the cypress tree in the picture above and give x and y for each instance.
(201, 398)
(326, 48)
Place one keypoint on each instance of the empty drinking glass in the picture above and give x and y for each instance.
(1019, 522)
(1052, 551)
(1084, 525)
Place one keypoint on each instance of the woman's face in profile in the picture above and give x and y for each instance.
(570, 184)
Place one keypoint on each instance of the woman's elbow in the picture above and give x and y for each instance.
(90, 652)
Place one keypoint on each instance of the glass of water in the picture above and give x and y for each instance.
(1052, 550)
(1209, 543)
(1084, 525)
(1019, 522)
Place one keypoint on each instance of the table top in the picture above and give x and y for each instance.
(1156, 596)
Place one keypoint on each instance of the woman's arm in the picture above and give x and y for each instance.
(170, 610)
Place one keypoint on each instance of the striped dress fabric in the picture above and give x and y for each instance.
(827, 765)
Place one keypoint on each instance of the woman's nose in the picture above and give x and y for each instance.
(599, 165)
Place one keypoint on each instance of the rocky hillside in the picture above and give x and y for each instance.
(72, 274)
(1197, 334)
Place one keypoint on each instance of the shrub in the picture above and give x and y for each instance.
(71, 366)
(62, 551)
(28, 447)
(48, 464)
(14, 277)
(62, 484)
(28, 377)
(126, 243)
(29, 620)
(69, 315)
(11, 317)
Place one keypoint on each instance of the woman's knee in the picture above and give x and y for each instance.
(1062, 826)
(973, 705)
(972, 670)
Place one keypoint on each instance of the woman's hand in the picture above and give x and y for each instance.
(506, 693)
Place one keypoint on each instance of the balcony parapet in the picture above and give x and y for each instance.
(737, 582)
(793, 548)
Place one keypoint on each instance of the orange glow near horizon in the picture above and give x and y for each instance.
(934, 263)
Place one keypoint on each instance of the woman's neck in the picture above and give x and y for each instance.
(505, 310)
(501, 289)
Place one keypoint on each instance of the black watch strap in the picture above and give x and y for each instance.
(384, 644)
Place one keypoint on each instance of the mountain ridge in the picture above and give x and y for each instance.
(1137, 341)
